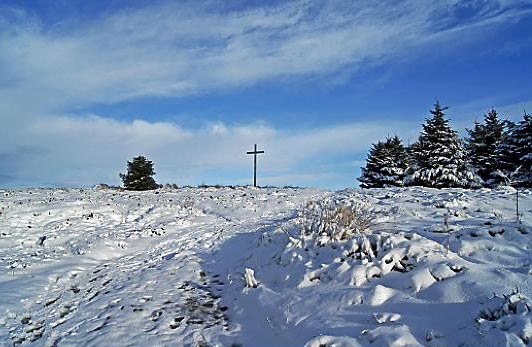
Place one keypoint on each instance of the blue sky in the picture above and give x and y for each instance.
(86, 85)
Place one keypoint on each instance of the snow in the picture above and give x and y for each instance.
(265, 267)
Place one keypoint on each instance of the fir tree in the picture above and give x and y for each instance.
(437, 157)
(139, 175)
(385, 164)
(482, 145)
(507, 154)
(523, 139)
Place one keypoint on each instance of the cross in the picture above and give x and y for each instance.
(255, 152)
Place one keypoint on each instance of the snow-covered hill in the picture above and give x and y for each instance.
(242, 267)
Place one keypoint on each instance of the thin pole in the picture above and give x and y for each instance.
(517, 205)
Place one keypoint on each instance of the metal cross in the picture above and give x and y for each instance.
(255, 152)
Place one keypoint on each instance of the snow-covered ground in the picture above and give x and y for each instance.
(240, 267)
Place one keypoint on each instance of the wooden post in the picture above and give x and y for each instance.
(255, 152)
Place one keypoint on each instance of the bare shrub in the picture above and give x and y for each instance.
(336, 219)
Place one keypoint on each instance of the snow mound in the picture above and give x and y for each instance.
(506, 320)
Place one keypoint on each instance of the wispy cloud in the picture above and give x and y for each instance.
(179, 49)
(516, 111)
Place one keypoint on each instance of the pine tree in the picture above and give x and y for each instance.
(385, 164)
(507, 157)
(437, 157)
(482, 144)
(523, 140)
(139, 175)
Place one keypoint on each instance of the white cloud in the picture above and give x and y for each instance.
(84, 151)
(103, 131)
(218, 128)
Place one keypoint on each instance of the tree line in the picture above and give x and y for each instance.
(494, 152)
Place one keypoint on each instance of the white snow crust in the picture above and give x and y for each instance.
(242, 267)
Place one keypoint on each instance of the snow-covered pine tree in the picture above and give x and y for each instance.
(385, 164)
(482, 144)
(523, 139)
(475, 146)
(437, 158)
(507, 157)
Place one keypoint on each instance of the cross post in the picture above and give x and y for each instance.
(255, 152)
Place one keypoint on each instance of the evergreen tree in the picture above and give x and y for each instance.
(385, 164)
(523, 139)
(139, 175)
(482, 145)
(437, 157)
(507, 154)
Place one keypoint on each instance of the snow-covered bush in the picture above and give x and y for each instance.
(498, 307)
(336, 219)
(338, 240)
(365, 258)
(507, 320)
(249, 277)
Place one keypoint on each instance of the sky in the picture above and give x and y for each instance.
(192, 85)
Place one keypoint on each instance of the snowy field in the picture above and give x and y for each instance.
(244, 267)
